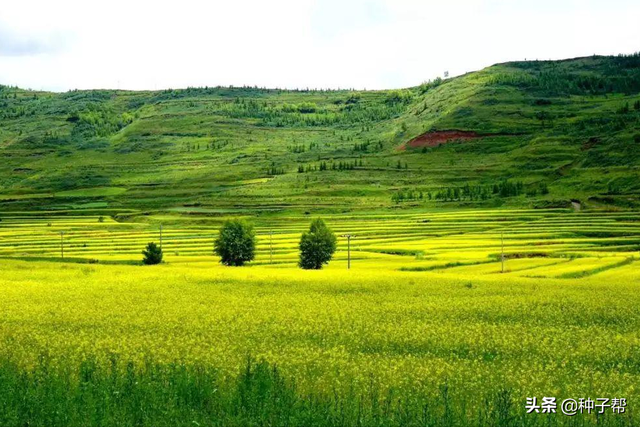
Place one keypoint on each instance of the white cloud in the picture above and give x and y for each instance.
(287, 43)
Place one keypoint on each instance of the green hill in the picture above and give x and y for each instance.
(534, 134)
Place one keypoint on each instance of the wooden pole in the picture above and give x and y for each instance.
(349, 236)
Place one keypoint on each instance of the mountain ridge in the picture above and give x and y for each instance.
(567, 128)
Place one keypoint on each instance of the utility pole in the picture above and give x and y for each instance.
(349, 237)
(62, 244)
(502, 252)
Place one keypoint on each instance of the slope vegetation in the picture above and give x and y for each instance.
(527, 134)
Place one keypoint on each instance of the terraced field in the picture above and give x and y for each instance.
(425, 329)
(473, 284)
(535, 243)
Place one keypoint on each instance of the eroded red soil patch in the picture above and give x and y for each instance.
(432, 139)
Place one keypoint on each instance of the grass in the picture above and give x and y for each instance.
(239, 149)
(176, 395)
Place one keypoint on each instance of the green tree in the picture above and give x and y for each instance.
(152, 254)
(236, 243)
(317, 246)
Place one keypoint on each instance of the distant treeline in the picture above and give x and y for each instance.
(238, 91)
(502, 189)
(348, 111)
(620, 74)
(276, 170)
(97, 120)
(334, 166)
(301, 148)
(213, 145)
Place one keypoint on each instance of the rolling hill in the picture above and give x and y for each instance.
(526, 134)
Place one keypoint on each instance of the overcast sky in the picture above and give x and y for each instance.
(61, 45)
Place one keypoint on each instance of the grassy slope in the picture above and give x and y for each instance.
(559, 123)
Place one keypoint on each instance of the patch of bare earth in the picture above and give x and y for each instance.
(433, 139)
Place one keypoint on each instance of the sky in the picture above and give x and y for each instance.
(377, 44)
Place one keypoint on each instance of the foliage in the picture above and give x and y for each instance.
(333, 166)
(399, 97)
(317, 246)
(236, 243)
(98, 121)
(90, 394)
(616, 75)
(502, 189)
(431, 84)
(152, 254)
(161, 344)
(221, 147)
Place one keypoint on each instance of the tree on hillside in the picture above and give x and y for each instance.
(152, 254)
(317, 246)
(236, 243)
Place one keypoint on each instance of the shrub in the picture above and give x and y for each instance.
(152, 254)
(544, 189)
(317, 246)
(236, 243)
(398, 97)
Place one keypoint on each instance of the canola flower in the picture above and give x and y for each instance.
(425, 305)
(332, 328)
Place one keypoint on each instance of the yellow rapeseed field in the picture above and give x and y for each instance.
(334, 327)
(427, 306)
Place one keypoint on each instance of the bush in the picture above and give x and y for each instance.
(624, 109)
(236, 243)
(399, 97)
(152, 254)
(317, 246)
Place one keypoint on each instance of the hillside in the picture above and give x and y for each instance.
(531, 134)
